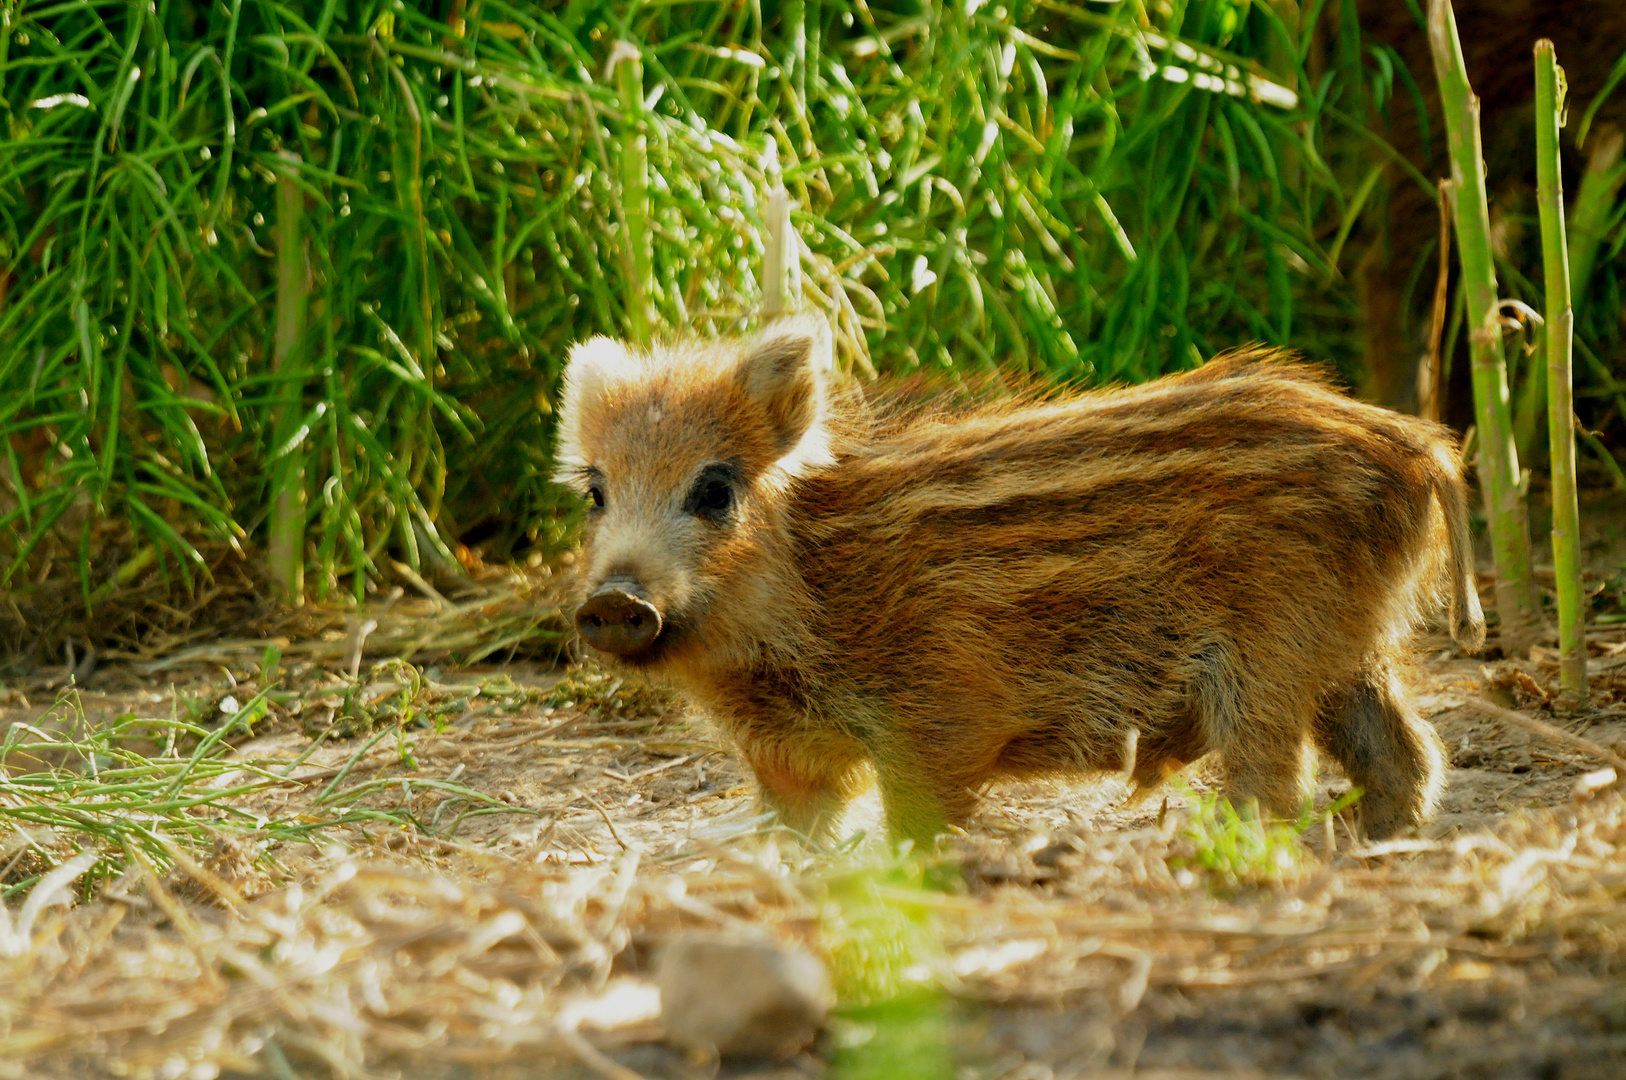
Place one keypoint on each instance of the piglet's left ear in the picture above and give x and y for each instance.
(783, 371)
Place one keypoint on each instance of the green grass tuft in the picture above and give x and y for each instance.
(1242, 847)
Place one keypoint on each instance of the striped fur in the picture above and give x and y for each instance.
(1224, 561)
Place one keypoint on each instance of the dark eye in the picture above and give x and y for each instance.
(715, 497)
(714, 492)
(596, 494)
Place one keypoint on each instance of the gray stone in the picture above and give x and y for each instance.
(737, 996)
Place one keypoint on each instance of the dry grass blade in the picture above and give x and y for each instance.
(369, 961)
(1429, 390)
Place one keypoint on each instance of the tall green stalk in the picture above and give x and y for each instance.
(1560, 403)
(1498, 457)
(286, 547)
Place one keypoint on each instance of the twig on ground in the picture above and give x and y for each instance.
(1551, 732)
(627, 778)
(603, 813)
(593, 1057)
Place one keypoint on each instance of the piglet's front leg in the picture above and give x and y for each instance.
(807, 784)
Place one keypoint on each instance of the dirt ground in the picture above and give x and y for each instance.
(579, 785)
(525, 841)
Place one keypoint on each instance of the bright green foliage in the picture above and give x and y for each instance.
(1244, 847)
(877, 932)
(1084, 192)
(907, 1038)
(885, 951)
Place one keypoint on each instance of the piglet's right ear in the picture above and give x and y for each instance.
(592, 364)
(783, 372)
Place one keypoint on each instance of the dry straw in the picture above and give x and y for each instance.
(373, 961)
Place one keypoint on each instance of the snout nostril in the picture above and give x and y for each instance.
(617, 619)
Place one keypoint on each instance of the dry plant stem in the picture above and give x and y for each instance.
(634, 189)
(1560, 400)
(781, 263)
(286, 547)
(605, 814)
(416, 580)
(593, 1057)
(1498, 464)
(1429, 390)
(1551, 733)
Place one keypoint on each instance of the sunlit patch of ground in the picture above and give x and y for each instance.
(516, 849)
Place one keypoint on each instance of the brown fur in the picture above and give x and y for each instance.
(1223, 561)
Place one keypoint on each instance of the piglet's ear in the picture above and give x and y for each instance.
(592, 364)
(783, 372)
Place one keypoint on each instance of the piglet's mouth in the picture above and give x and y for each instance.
(618, 619)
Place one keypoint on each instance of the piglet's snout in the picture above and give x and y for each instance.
(617, 619)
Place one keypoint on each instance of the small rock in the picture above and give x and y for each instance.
(739, 996)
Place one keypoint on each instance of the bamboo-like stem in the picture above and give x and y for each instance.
(781, 262)
(629, 69)
(1498, 466)
(1560, 403)
(286, 548)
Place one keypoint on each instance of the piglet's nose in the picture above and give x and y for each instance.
(617, 619)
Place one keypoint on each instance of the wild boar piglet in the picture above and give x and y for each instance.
(1225, 561)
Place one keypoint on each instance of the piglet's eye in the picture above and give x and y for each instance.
(714, 493)
(715, 497)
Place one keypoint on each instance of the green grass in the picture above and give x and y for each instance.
(166, 791)
(977, 186)
(1082, 192)
(880, 933)
(1239, 846)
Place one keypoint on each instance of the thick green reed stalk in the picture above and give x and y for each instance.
(1498, 458)
(286, 549)
(1560, 403)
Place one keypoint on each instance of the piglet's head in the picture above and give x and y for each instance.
(681, 451)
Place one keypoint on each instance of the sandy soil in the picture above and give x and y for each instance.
(580, 787)
(1381, 978)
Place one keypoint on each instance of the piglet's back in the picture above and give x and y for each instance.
(1245, 500)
